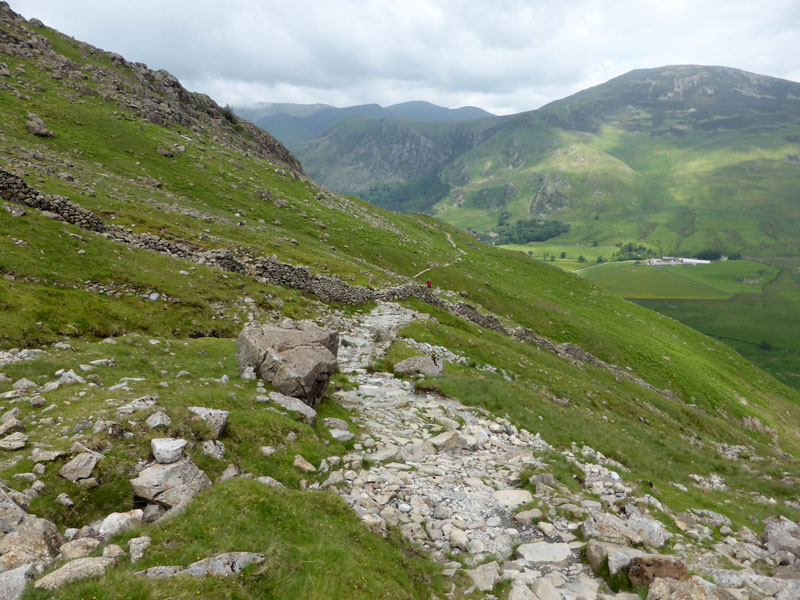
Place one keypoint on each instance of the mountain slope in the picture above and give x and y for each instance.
(680, 158)
(140, 239)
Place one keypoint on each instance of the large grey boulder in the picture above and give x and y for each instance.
(297, 357)
(420, 365)
(609, 528)
(172, 484)
(167, 450)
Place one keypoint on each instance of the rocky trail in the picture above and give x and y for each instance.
(449, 477)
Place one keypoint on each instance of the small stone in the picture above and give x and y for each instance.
(65, 500)
(158, 419)
(302, 465)
(214, 449)
(216, 419)
(138, 546)
(267, 480)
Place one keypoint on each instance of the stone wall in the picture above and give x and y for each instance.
(271, 270)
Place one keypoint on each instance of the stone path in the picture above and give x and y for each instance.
(446, 474)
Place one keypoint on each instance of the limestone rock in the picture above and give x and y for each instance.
(81, 568)
(32, 541)
(13, 583)
(520, 591)
(117, 522)
(341, 435)
(512, 498)
(138, 546)
(267, 480)
(216, 419)
(15, 441)
(158, 419)
(420, 365)
(167, 450)
(544, 590)
(781, 534)
(297, 357)
(160, 572)
(303, 410)
(486, 576)
(11, 425)
(172, 484)
(695, 588)
(619, 557)
(229, 564)
(302, 465)
(214, 449)
(544, 553)
(79, 548)
(80, 467)
(608, 527)
(445, 441)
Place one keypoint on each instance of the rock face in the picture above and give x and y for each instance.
(172, 484)
(297, 357)
(420, 365)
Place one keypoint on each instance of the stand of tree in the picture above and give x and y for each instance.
(528, 230)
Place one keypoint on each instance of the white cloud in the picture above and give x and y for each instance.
(506, 56)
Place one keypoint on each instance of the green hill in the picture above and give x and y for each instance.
(679, 158)
(143, 225)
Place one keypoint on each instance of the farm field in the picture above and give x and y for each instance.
(752, 306)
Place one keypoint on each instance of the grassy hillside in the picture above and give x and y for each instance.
(219, 183)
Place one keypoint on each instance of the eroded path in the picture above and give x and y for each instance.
(446, 474)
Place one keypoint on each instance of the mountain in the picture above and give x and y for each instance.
(143, 227)
(297, 124)
(679, 158)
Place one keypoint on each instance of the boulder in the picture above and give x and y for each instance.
(13, 583)
(229, 564)
(297, 357)
(781, 534)
(650, 531)
(117, 522)
(32, 541)
(695, 588)
(619, 557)
(79, 548)
(167, 450)
(138, 546)
(172, 484)
(215, 418)
(512, 498)
(302, 465)
(15, 441)
(305, 413)
(80, 467)
(643, 570)
(420, 365)
(544, 553)
(158, 419)
(486, 576)
(213, 448)
(81, 568)
(608, 527)
(445, 441)
(36, 126)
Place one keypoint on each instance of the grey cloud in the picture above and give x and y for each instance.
(505, 56)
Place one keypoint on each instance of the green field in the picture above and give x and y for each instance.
(752, 306)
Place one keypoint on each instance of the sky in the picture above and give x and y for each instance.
(505, 56)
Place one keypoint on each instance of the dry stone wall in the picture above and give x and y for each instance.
(271, 270)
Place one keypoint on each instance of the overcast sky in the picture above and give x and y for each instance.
(502, 55)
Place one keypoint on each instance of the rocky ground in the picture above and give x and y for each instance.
(449, 476)
(475, 492)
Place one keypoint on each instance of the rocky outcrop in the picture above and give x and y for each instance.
(297, 357)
